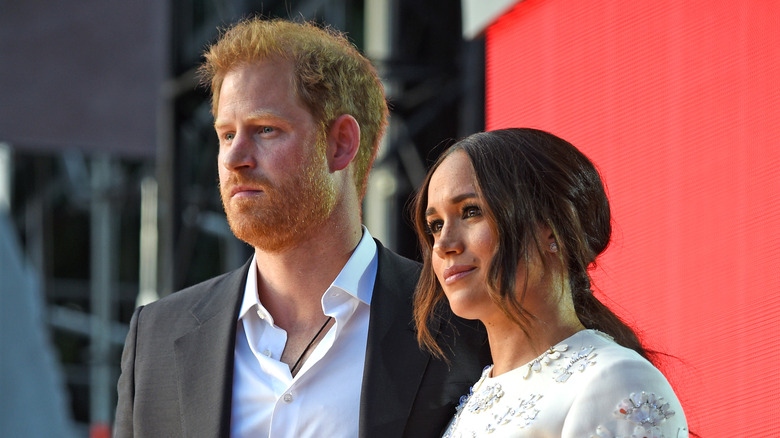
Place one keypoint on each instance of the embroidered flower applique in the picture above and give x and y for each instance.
(552, 354)
(464, 399)
(484, 400)
(646, 410)
(475, 402)
(478, 399)
(522, 415)
(578, 361)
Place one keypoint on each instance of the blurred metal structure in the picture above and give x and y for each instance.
(115, 200)
(80, 83)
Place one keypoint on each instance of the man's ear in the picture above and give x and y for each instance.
(343, 142)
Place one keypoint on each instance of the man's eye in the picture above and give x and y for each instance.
(266, 130)
(230, 136)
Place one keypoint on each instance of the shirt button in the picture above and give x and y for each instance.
(288, 398)
(267, 353)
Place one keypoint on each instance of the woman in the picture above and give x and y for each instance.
(509, 222)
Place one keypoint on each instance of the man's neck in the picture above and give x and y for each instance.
(291, 283)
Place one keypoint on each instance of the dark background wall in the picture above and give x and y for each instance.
(82, 75)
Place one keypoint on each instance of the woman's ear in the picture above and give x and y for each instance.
(343, 142)
(547, 238)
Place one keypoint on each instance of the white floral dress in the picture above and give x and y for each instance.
(585, 386)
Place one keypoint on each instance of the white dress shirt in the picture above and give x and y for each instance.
(323, 399)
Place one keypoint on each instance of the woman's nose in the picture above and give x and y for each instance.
(447, 242)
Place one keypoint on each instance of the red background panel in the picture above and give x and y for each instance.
(678, 104)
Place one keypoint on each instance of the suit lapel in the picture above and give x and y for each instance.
(394, 364)
(205, 354)
(204, 358)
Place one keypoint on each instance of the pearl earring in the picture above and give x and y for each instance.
(553, 247)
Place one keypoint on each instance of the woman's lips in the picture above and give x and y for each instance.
(456, 272)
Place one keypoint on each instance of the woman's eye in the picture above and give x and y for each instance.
(434, 226)
(471, 211)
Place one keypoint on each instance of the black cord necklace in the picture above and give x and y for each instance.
(297, 362)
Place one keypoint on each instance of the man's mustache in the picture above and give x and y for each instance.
(255, 181)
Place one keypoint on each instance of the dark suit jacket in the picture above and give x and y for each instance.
(177, 365)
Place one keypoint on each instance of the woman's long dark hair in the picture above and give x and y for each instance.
(529, 178)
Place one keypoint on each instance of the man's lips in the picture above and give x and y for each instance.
(456, 272)
(244, 191)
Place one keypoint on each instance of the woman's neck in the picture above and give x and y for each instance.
(511, 347)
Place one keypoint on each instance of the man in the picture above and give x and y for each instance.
(313, 337)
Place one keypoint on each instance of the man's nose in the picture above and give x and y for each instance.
(239, 154)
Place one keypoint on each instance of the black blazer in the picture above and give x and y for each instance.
(177, 364)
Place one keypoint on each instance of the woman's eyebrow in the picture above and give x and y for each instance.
(455, 200)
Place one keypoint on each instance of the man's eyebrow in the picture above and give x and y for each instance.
(257, 115)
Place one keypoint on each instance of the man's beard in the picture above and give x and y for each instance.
(288, 211)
